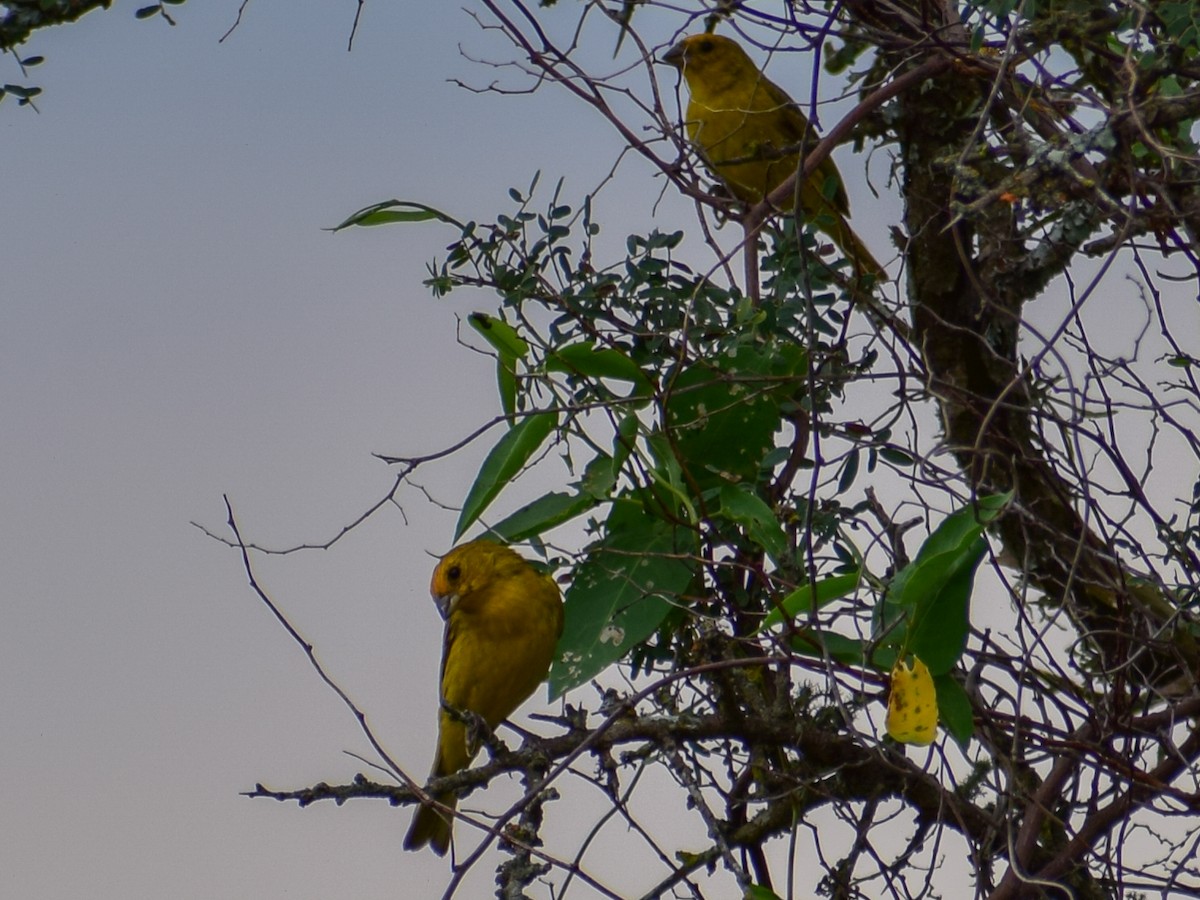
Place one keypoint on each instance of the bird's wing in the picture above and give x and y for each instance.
(795, 130)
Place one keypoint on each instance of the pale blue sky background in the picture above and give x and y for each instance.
(174, 324)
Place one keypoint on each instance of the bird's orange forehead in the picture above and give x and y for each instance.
(439, 585)
(449, 573)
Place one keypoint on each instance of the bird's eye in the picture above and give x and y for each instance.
(706, 46)
(453, 572)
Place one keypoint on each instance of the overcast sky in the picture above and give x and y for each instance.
(175, 325)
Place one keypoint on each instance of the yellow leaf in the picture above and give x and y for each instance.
(912, 704)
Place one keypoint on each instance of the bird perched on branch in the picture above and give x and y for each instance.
(751, 133)
(503, 621)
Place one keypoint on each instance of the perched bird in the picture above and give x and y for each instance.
(503, 621)
(750, 133)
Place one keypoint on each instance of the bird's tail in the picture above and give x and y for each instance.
(431, 826)
(852, 246)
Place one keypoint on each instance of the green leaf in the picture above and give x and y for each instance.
(620, 594)
(723, 414)
(849, 471)
(666, 471)
(23, 92)
(599, 478)
(584, 358)
(758, 892)
(750, 511)
(800, 600)
(506, 385)
(954, 708)
(960, 529)
(816, 643)
(544, 513)
(504, 461)
(509, 347)
(940, 622)
(1180, 21)
(896, 456)
(623, 441)
(977, 38)
(915, 591)
(390, 212)
(926, 608)
(551, 510)
(502, 336)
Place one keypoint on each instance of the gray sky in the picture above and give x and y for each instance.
(174, 324)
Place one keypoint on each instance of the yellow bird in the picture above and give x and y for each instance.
(750, 133)
(503, 622)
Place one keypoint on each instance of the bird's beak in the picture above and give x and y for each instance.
(673, 57)
(445, 604)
